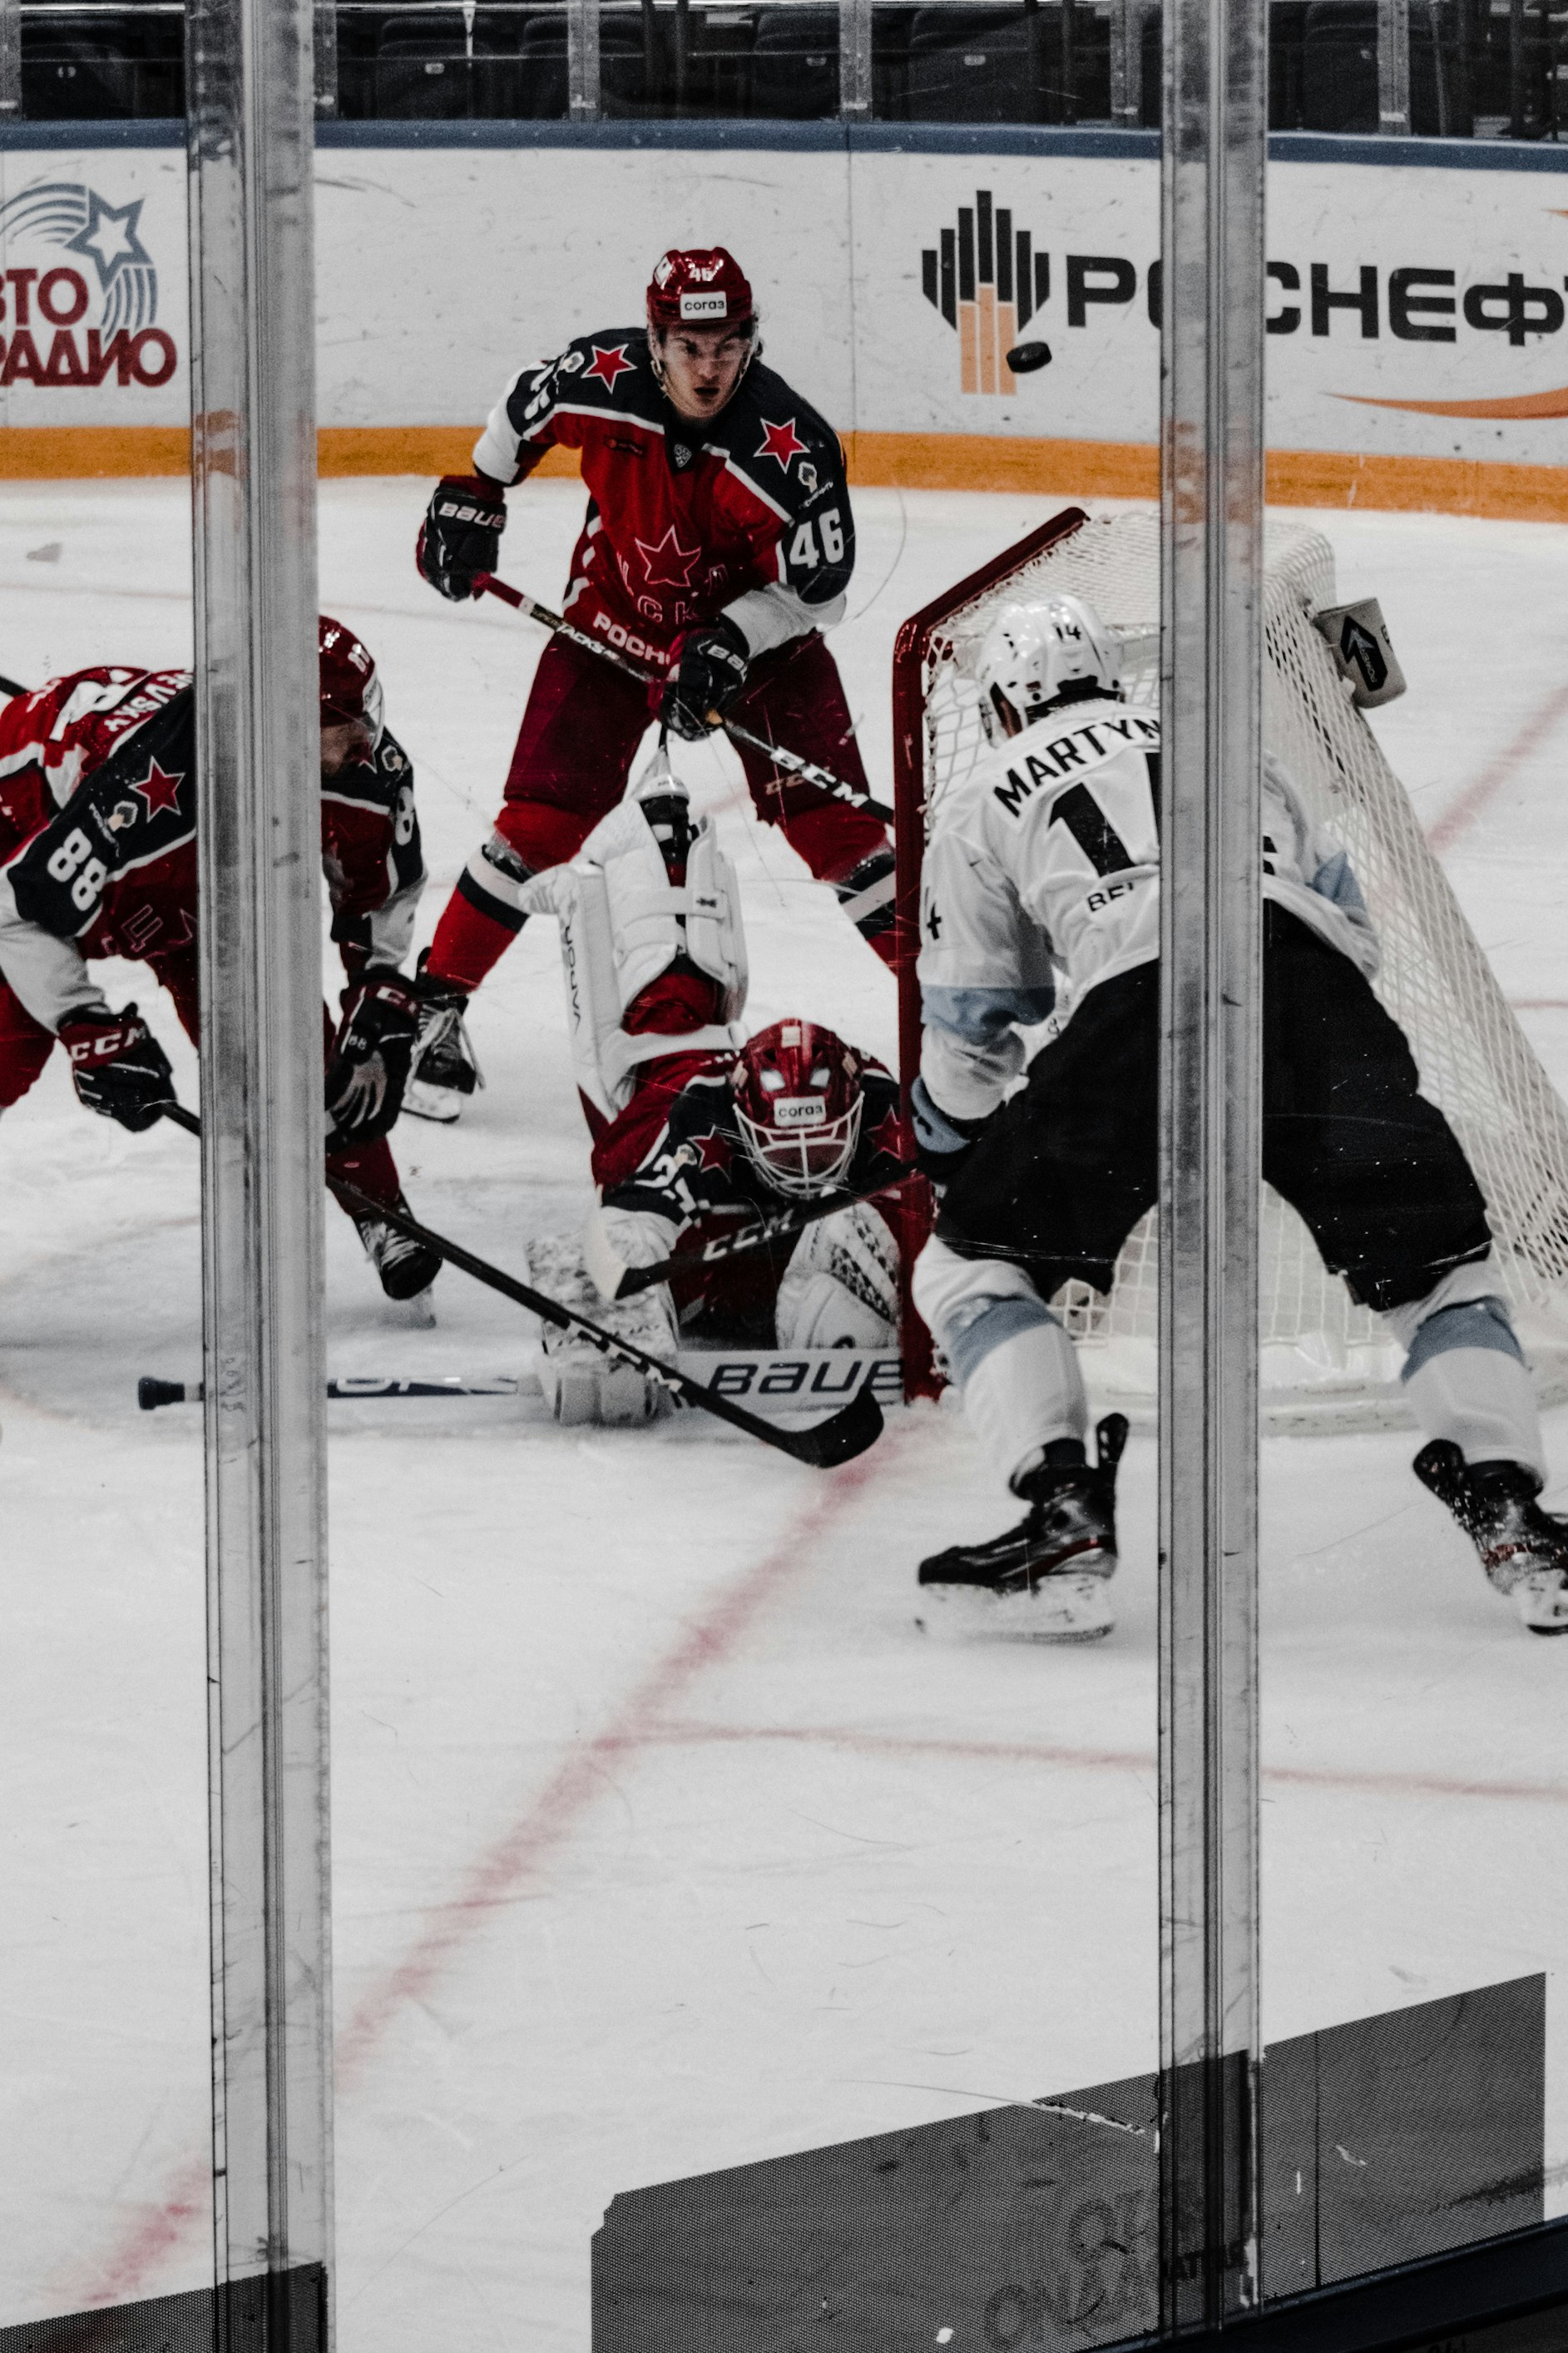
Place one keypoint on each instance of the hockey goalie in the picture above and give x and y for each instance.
(1045, 863)
(698, 1134)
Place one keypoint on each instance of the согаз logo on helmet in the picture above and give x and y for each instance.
(80, 301)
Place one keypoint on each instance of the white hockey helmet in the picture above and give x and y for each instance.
(1050, 651)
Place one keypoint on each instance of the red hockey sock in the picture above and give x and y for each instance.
(371, 1168)
(467, 945)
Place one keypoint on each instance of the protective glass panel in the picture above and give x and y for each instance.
(1413, 2098)
(104, 2021)
(710, 1896)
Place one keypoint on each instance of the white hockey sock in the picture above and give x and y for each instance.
(1483, 1399)
(1022, 1393)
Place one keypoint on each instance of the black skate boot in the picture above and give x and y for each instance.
(1524, 1550)
(445, 1070)
(1050, 1577)
(406, 1267)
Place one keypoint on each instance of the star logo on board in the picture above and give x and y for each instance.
(609, 364)
(666, 563)
(783, 442)
(159, 790)
(109, 237)
(714, 1150)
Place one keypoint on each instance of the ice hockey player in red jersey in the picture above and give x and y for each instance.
(98, 826)
(698, 1134)
(718, 545)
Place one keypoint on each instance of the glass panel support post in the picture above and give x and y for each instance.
(1211, 170)
(1127, 63)
(1393, 69)
(10, 59)
(583, 98)
(250, 149)
(326, 58)
(855, 60)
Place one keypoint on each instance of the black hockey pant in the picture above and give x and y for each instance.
(1065, 1171)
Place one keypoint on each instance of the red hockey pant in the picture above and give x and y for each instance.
(580, 732)
(25, 1046)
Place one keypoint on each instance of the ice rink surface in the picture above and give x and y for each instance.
(665, 1840)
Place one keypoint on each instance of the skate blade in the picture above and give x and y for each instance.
(1541, 1600)
(1060, 1609)
(443, 1104)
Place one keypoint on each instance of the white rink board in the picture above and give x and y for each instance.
(441, 271)
(663, 1840)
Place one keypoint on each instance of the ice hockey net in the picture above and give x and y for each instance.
(1325, 1362)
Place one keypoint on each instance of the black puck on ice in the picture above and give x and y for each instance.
(1025, 358)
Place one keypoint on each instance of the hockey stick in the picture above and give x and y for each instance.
(837, 1440)
(9, 687)
(806, 771)
(150, 1392)
(779, 1228)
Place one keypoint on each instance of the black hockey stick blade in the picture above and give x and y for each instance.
(838, 1440)
(766, 1230)
(352, 1388)
(9, 687)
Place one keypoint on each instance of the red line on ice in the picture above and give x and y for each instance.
(1100, 1761)
(495, 1875)
(1463, 812)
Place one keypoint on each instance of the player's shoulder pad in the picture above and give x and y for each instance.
(609, 372)
(780, 444)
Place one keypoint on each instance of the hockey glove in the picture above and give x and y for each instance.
(943, 1143)
(709, 677)
(369, 1066)
(118, 1067)
(460, 536)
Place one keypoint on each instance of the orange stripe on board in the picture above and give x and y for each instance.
(987, 340)
(929, 462)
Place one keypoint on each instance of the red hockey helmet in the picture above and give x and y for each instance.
(350, 687)
(798, 1099)
(701, 287)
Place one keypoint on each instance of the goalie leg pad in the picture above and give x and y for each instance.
(840, 1289)
(580, 1383)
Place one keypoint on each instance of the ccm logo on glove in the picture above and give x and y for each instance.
(369, 1067)
(118, 1066)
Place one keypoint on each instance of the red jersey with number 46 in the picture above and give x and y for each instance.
(747, 512)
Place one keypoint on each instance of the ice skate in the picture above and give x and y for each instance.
(1524, 1550)
(581, 1384)
(1049, 1579)
(445, 1070)
(407, 1268)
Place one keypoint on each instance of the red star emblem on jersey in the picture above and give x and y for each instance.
(666, 563)
(608, 364)
(888, 1136)
(783, 442)
(158, 790)
(714, 1150)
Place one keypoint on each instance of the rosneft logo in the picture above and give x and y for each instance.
(987, 280)
(79, 302)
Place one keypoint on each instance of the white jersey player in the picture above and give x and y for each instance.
(1043, 868)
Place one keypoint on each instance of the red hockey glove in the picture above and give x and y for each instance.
(118, 1066)
(369, 1065)
(709, 676)
(460, 536)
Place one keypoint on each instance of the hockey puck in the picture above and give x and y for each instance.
(1025, 358)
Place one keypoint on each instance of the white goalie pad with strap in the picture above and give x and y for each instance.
(622, 924)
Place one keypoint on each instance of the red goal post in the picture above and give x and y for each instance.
(921, 639)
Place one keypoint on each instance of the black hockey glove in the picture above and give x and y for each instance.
(118, 1066)
(460, 536)
(943, 1143)
(709, 676)
(369, 1066)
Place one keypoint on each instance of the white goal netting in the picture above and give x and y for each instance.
(1325, 1362)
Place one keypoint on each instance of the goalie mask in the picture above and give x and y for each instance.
(798, 1099)
(350, 688)
(1037, 656)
